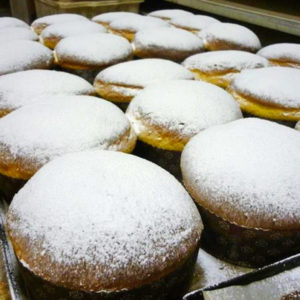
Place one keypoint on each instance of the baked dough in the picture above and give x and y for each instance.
(56, 32)
(111, 230)
(92, 51)
(167, 115)
(228, 36)
(272, 93)
(168, 43)
(24, 55)
(220, 67)
(122, 82)
(21, 88)
(55, 125)
(283, 54)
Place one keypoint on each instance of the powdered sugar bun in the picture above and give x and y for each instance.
(283, 54)
(92, 51)
(111, 230)
(228, 36)
(17, 33)
(56, 32)
(220, 67)
(167, 14)
(56, 125)
(24, 55)
(19, 89)
(129, 25)
(106, 18)
(272, 93)
(246, 172)
(7, 22)
(194, 23)
(121, 82)
(41, 23)
(168, 43)
(167, 115)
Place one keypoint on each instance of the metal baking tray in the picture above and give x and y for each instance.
(18, 290)
(257, 275)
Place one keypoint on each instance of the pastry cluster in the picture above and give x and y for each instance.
(125, 142)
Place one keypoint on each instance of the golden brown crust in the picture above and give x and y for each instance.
(39, 27)
(215, 45)
(221, 79)
(160, 137)
(261, 108)
(156, 52)
(110, 91)
(129, 35)
(21, 167)
(234, 216)
(50, 42)
(70, 63)
(192, 30)
(284, 63)
(88, 276)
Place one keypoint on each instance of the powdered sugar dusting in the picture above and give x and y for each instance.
(19, 89)
(210, 270)
(57, 18)
(56, 125)
(170, 13)
(183, 106)
(169, 39)
(276, 85)
(232, 33)
(282, 51)
(80, 27)
(137, 22)
(194, 22)
(143, 72)
(227, 60)
(247, 167)
(6, 22)
(112, 16)
(94, 49)
(17, 33)
(23, 55)
(102, 215)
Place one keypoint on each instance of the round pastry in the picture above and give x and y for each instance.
(169, 43)
(244, 177)
(6, 22)
(128, 26)
(227, 36)
(220, 67)
(17, 33)
(284, 54)
(41, 23)
(24, 55)
(168, 14)
(19, 89)
(106, 18)
(88, 224)
(194, 23)
(165, 116)
(54, 125)
(121, 82)
(271, 93)
(56, 32)
(92, 53)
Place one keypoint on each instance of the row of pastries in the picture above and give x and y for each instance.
(86, 223)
